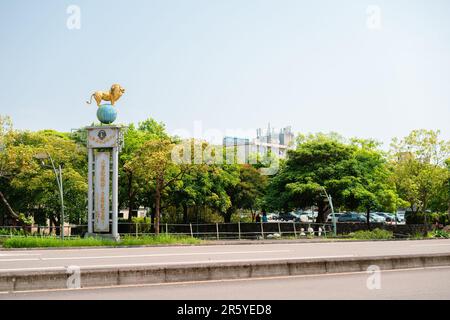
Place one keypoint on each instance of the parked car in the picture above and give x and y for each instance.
(401, 217)
(376, 218)
(388, 216)
(352, 217)
(307, 216)
(336, 216)
(289, 216)
(273, 217)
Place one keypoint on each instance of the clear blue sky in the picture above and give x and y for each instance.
(232, 64)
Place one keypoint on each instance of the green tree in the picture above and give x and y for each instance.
(153, 164)
(447, 192)
(317, 163)
(30, 188)
(13, 158)
(420, 172)
(131, 187)
(355, 174)
(373, 187)
(38, 183)
(247, 193)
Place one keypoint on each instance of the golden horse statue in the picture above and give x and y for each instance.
(113, 95)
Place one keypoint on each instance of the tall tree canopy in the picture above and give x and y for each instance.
(420, 170)
(358, 176)
(354, 174)
(29, 186)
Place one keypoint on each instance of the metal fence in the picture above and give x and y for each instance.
(218, 231)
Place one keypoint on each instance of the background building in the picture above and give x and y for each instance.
(278, 142)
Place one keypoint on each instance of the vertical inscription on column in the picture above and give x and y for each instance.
(101, 219)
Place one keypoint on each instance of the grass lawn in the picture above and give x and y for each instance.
(47, 242)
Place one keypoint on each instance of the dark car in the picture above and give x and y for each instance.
(352, 217)
(288, 216)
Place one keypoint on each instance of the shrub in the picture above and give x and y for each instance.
(12, 231)
(419, 218)
(440, 234)
(143, 224)
(143, 220)
(161, 239)
(418, 236)
(28, 221)
(372, 235)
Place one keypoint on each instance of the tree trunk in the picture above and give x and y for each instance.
(157, 208)
(227, 215)
(449, 211)
(321, 212)
(56, 224)
(9, 210)
(130, 197)
(368, 218)
(185, 213)
(424, 209)
(152, 218)
(448, 191)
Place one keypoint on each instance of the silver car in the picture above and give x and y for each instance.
(376, 218)
(336, 216)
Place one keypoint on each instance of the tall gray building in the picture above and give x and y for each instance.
(277, 142)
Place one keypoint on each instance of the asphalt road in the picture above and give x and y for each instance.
(431, 283)
(109, 257)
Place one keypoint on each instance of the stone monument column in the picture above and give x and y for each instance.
(104, 142)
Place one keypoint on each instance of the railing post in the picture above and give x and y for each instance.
(167, 231)
(136, 230)
(190, 226)
(295, 230)
(262, 230)
(239, 229)
(217, 230)
(279, 228)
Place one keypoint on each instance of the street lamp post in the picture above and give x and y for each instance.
(59, 181)
(330, 201)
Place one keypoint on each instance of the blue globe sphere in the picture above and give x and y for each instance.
(107, 114)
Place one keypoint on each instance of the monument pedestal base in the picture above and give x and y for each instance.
(104, 143)
(102, 235)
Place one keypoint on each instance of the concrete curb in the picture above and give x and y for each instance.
(89, 277)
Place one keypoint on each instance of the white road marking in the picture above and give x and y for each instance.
(34, 269)
(145, 255)
(430, 245)
(176, 263)
(18, 254)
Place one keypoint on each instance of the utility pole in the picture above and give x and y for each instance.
(59, 181)
(330, 201)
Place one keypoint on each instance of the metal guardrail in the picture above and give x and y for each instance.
(218, 231)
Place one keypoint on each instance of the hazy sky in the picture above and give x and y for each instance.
(231, 64)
